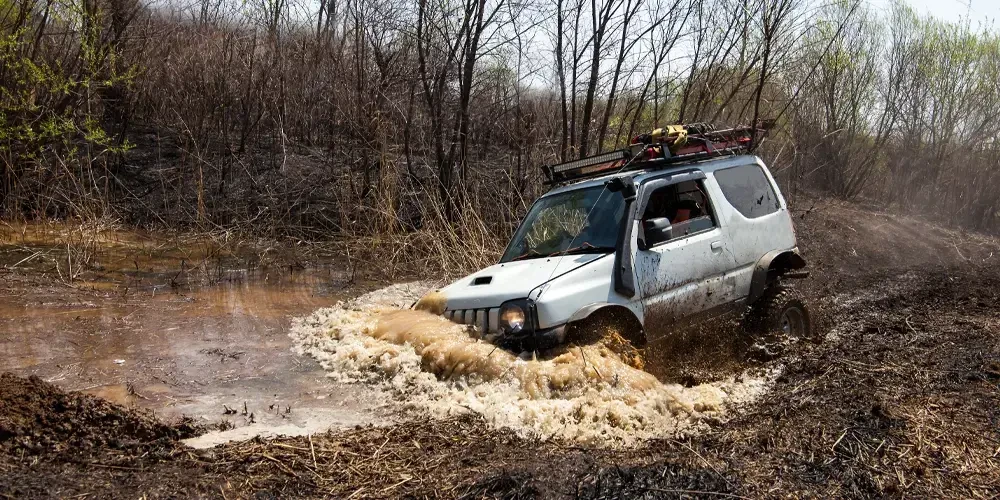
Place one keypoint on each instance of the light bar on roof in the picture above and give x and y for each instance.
(590, 161)
(699, 146)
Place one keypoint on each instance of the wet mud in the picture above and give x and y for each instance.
(36, 418)
(709, 350)
(900, 400)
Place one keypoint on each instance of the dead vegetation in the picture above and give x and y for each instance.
(79, 254)
(429, 458)
(416, 130)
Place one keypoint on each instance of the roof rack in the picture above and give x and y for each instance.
(659, 149)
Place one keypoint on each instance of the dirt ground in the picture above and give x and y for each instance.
(902, 398)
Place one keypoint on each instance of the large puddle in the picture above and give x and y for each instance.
(150, 323)
(584, 394)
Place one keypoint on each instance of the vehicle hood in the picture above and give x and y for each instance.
(510, 280)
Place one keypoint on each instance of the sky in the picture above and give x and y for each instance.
(985, 11)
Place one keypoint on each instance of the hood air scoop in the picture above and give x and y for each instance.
(482, 280)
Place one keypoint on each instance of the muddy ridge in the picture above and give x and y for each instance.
(36, 417)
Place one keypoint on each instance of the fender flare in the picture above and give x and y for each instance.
(625, 313)
(774, 260)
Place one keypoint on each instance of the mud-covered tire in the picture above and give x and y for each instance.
(780, 314)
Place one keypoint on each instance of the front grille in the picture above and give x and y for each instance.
(485, 319)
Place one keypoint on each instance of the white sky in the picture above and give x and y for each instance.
(981, 11)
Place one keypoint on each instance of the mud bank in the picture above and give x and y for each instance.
(36, 417)
(430, 366)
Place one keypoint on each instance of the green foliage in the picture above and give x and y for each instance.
(44, 105)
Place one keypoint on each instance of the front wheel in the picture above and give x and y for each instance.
(615, 332)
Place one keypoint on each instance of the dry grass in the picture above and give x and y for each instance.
(439, 247)
(96, 249)
(101, 250)
(431, 458)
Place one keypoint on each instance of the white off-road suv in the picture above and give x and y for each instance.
(649, 239)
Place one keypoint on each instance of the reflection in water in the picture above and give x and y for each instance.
(144, 328)
(95, 333)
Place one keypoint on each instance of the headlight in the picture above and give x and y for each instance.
(513, 316)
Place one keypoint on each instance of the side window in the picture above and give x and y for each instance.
(748, 190)
(684, 207)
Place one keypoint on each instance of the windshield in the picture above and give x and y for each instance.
(580, 221)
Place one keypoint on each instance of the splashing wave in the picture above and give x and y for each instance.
(428, 363)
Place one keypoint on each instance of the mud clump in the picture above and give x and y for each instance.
(36, 418)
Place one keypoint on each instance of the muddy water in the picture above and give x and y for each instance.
(195, 348)
(585, 394)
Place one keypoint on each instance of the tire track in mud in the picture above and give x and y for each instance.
(430, 366)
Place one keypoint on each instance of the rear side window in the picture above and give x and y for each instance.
(748, 190)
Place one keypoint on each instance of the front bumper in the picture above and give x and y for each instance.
(535, 341)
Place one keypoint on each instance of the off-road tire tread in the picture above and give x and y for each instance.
(764, 316)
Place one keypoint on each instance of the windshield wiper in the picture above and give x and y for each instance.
(584, 248)
(530, 254)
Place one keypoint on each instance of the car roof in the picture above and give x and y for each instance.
(641, 175)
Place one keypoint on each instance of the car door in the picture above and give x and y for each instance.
(683, 277)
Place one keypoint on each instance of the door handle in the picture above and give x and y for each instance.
(716, 246)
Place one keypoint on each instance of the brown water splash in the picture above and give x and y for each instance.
(453, 351)
(441, 368)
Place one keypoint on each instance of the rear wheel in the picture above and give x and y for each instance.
(794, 322)
(779, 316)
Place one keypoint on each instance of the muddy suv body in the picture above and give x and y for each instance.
(649, 250)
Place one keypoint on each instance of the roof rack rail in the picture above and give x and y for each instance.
(661, 148)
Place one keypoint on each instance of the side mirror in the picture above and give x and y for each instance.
(656, 231)
(623, 185)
